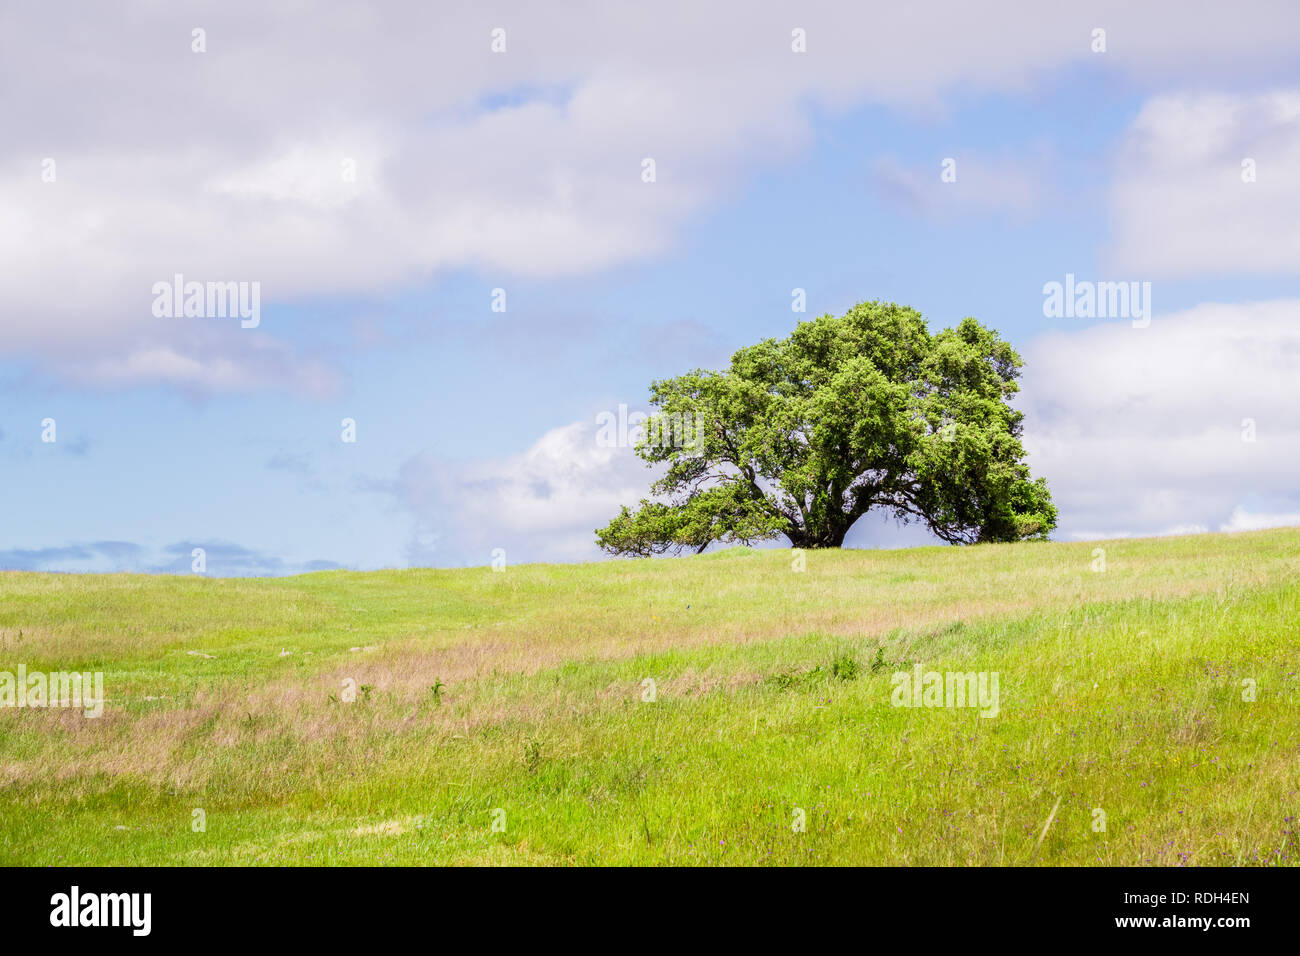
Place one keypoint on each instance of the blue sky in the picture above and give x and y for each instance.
(775, 170)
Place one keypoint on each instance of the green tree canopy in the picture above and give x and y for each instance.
(804, 435)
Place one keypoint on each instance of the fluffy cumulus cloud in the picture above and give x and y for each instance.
(540, 505)
(1186, 425)
(345, 149)
(1208, 185)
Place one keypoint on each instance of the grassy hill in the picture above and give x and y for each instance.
(517, 698)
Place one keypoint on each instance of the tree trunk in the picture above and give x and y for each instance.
(827, 538)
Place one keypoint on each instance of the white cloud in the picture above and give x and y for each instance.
(226, 165)
(1243, 520)
(541, 505)
(1140, 431)
(1179, 204)
(270, 367)
(1094, 535)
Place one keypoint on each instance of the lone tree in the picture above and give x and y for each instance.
(805, 435)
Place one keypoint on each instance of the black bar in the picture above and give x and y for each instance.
(333, 906)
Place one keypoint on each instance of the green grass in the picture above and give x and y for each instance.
(1120, 691)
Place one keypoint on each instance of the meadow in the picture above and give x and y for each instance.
(717, 709)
